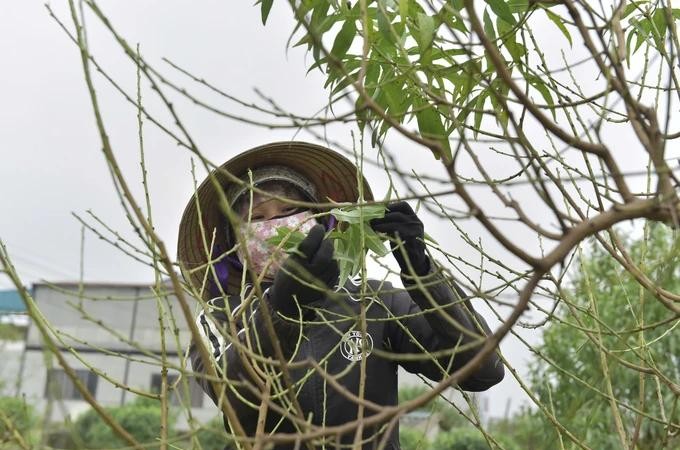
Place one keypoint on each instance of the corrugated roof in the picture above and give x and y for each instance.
(11, 302)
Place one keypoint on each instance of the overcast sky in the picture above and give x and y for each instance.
(51, 165)
(51, 159)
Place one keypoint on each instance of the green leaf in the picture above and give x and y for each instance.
(631, 35)
(479, 111)
(427, 237)
(458, 5)
(501, 9)
(660, 27)
(403, 9)
(430, 126)
(347, 239)
(508, 33)
(457, 24)
(374, 242)
(287, 238)
(372, 73)
(353, 252)
(632, 6)
(467, 80)
(320, 21)
(344, 263)
(518, 6)
(343, 40)
(358, 214)
(397, 101)
(542, 88)
(425, 31)
(384, 24)
(447, 54)
(466, 110)
(265, 8)
(557, 20)
(488, 26)
(501, 90)
(642, 28)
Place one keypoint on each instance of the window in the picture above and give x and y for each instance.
(60, 386)
(177, 390)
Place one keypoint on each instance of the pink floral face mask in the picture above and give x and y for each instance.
(262, 253)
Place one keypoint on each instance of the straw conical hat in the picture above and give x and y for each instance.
(333, 176)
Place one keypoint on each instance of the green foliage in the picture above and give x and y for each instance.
(413, 69)
(213, 436)
(447, 416)
(353, 235)
(286, 238)
(142, 419)
(648, 23)
(358, 214)
(460, 439)
(350, 238)
(471, 439)
(408, 393)
(633, 327)
(419, 64)
(21, 415)
(265, 8)
(523, 429)
(506, 443)
(412, 439)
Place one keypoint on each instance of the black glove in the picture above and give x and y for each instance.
(313, 264)
(401, 224)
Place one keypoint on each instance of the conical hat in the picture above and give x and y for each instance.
(333, 175)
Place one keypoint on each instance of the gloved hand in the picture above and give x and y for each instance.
(312, 263)
(402, 224)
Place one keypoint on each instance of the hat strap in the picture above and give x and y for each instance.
(330, 223)
(222, 272)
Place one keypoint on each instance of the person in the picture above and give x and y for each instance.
(290, 307)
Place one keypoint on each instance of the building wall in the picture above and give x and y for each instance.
(108, 316)
(113, 329)
(10, 355)
(34, 385)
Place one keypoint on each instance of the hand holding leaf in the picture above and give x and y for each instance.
(349, 246)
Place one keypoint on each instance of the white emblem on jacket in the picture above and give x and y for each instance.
(354, 345)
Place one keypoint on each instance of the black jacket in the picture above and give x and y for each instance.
(331, 336)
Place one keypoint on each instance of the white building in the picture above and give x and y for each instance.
(110, 335)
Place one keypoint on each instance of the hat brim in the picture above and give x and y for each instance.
(202, 231)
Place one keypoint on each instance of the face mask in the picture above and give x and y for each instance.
(262, 253)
